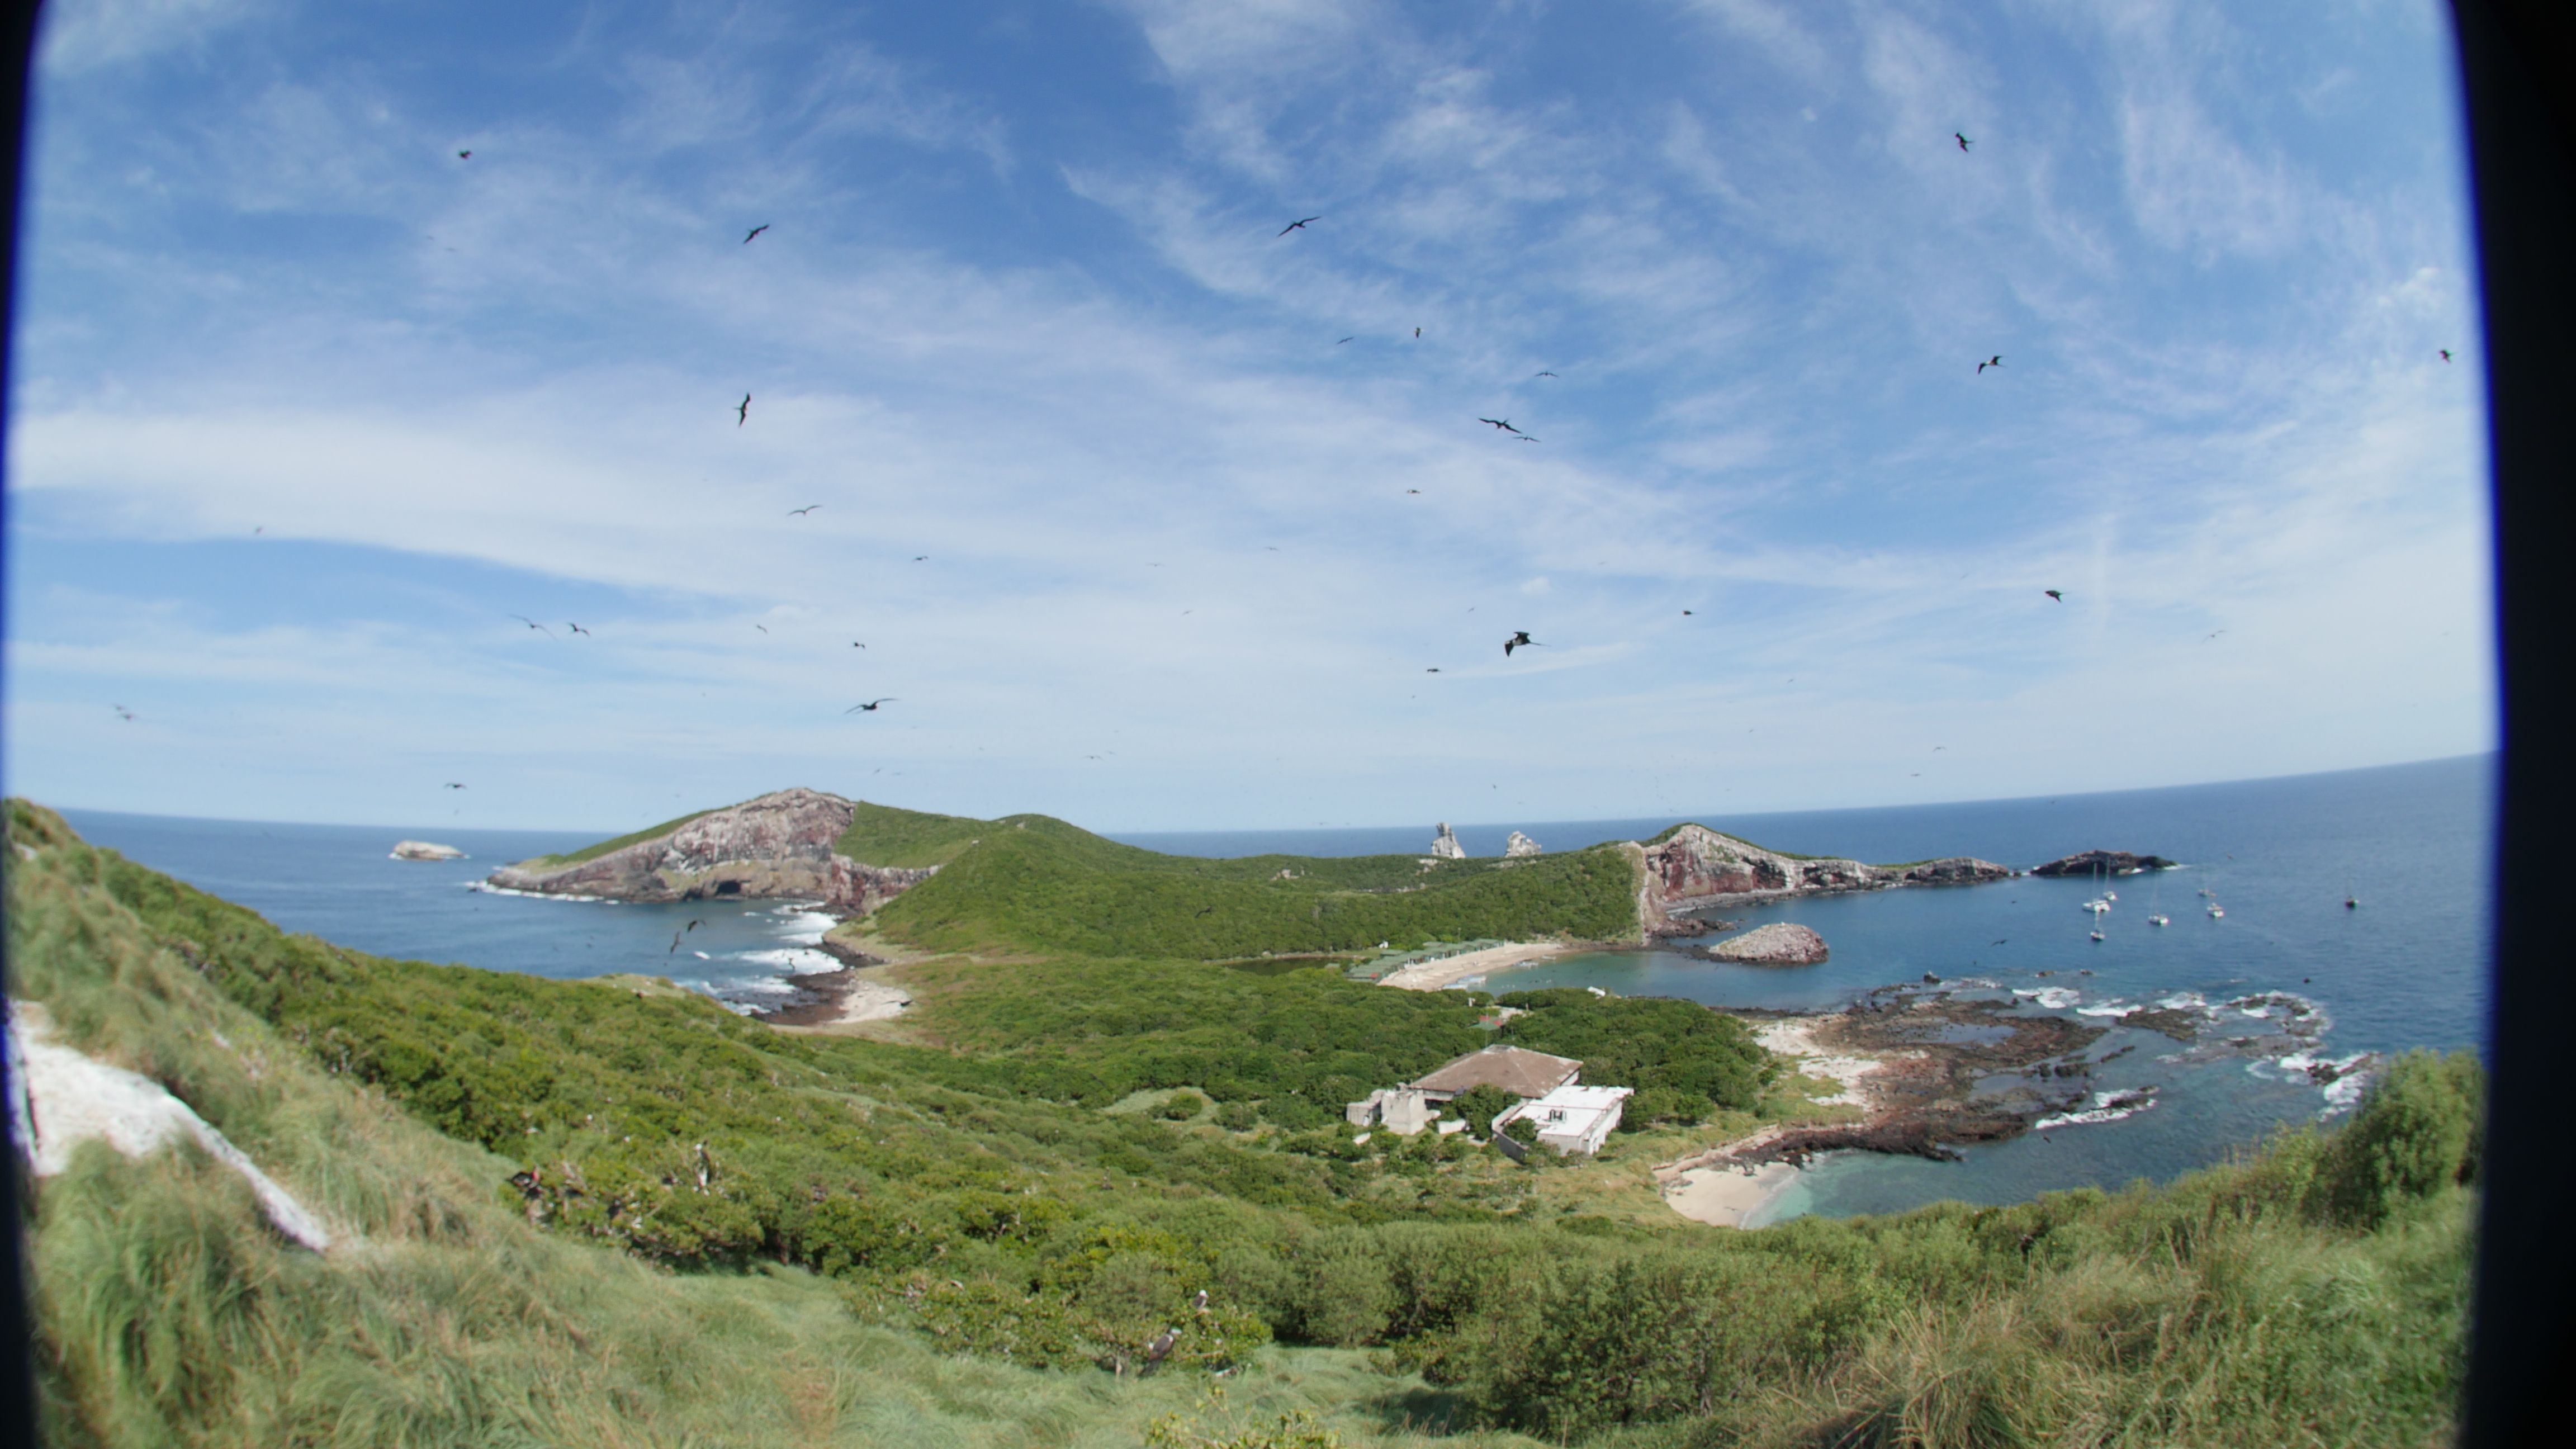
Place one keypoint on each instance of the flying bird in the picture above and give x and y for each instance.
(1963, 141)
(921, 558)
(533, 624)
(464, 155)
(1989, 362)
(122, 712)
(1519, 638)
(855, 644)
(742, 411)
(455, 785)
(1536, 375)
(675, 943)
(2054, 594)
(1433, 670)
(1355, 335)
(870, 705)
(763, 628)
(2446, 354)
(1417, 332)
(1999, 943)
(1412, 490)
(1686, 613)
(755, 231)
(691, 926)
(1297, 225)
(2214, 633)
(1500, 423)
(801, 512)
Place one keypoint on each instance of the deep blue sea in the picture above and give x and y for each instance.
(2407, 968)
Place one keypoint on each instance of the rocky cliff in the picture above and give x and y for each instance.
(778, 846)
(1695, 866)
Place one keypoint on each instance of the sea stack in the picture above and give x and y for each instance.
(1777, 944)
(424, 850)
(1445, 846)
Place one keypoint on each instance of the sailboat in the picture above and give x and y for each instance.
(2155, 903)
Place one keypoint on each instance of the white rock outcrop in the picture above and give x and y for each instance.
(1520, 844)
(60, 1099)
(1445, 846)
(424, 850)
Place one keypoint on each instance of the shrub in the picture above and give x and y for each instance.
(2418, 1131)
(1479, 1107)
(1182, 1107)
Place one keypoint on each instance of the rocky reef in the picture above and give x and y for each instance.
(2108, 862)
(777, 846)
(1695, 867)
(1780, 943)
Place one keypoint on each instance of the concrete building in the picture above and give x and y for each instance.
(1572, 1119)
(1408, 1109)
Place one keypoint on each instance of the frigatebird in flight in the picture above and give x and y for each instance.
(1996, 361)
(1355, 335)
(742, 411)
(1519, 638)
(1500, 423)
(576, 628)
(2446, 354)
(464, 155)
(533, 624)
(1536, 375)
(122, 712)
(870, 705)
(2054, 594)
(1297, 225)
(755, 231)
(1435, 669)
(801, 512)
(455, 785)
(1964, 142)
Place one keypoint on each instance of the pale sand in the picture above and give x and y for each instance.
(872, 1001)
(1432, 975)
(1725, 1196)
(1794, 1038)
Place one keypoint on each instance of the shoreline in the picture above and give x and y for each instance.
(1433, 975)
(1725, 1196)
(832, 999)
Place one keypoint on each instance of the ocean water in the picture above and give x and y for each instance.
(2407, 968)
(339, 882)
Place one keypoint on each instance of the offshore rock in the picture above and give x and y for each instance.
(1777, 944)
(424, 850)
(1445, 846)
(1696, 867)
(2111, 862)
(1520, 844)
(778, 846)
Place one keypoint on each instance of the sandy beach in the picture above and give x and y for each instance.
(840, 998)
(1724, 1196)
(1432, 975)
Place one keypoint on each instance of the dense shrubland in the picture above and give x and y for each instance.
(724, 1234)
(1031, 883)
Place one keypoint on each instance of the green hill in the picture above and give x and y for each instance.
(1038, 884)
(591, 1214)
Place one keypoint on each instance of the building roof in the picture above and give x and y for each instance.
(1517, 1070)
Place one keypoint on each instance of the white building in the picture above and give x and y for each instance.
(1571, 1118)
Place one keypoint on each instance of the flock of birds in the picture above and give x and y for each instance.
(1503, 427)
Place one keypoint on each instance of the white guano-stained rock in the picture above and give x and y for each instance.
(1777, 944)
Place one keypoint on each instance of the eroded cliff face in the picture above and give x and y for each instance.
(778, 846)
(1699, 867)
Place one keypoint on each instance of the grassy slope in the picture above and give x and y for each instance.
(1038, 884)
(884, 835)
(2310, 1295)
(169, 1314)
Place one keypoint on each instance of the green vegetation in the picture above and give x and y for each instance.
(884, 835)
(1036, 884)
(1685, 1061)
(653, 1223)
(594, 852)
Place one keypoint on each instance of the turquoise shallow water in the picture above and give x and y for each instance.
(2408, 968)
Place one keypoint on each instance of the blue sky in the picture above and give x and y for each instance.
(308, 407)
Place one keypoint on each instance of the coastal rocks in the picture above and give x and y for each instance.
(1777, 944)
(1445, 846)
(2111, 862)
(424, 850)
(1694, 867)
(777, 846)
(1520, 844)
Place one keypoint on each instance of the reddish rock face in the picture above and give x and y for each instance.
(1698, 866)
(779, 845)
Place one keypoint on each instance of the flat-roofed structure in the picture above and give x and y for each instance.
(1572, 1119)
